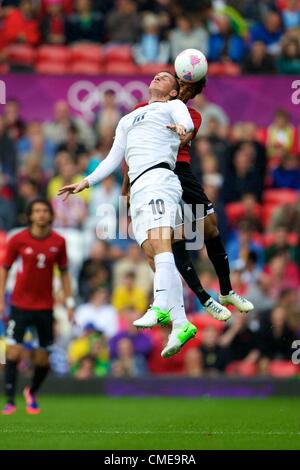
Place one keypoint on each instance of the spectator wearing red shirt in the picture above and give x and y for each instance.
(21, 26)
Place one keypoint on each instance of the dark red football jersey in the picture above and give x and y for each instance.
(37, 258)
(183, 152)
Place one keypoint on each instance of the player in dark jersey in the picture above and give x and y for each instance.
(38, 249)
(194, 195)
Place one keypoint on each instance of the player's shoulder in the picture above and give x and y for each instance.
(194, 113)
(140, 105)
(20, 235)
(56, 237)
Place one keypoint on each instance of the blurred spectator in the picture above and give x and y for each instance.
(34, 144)
(127, 295)
(99, 313)
(291, 14)
(72, 144)
(151, 48)
(281, 134)
(226, 45)
(134, 261)
(28, 190)
(242, 344)
(109, 115)
(281, 242)
(7, 214)
(288, 216)
(213, 357)
(88, 354)
(104, 207)
(243, 177)
(269, 31)
(212, 188)
(239, 247)
(258, 61)
(52, 26)
(57, 129)
(276, 338)
(281, 273)
(288, 63)
(130, 348)
(84, 24)
(287, 174)
(8, 155)
(186, 36)
(67, 6)
(192, 363)
(127, 363)
(250, 271)
(123, 23)
(14, 124)
(95, 270)
(209, 110)
(20, 25)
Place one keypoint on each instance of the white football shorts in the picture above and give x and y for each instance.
(154, 202)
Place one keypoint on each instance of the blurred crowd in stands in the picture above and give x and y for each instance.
(130, 36)
(252, 176)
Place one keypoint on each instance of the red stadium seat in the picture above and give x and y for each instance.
(202, 321)
(228, 68)
(121, 68)
(118, 54)
(280, 196)
(86, 67)
(152, 69)
(52, 68)
(241, 368)
(21, 54)
(292, 239)
(4, 68)
(86, 53)
(56, 54)
(267, 211)
(283, 369)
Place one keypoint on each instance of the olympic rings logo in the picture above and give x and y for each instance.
(86, 97)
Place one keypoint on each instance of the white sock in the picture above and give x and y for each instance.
(162, 281)
(176, 302)
(168, 292)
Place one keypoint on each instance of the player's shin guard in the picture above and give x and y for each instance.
(164, 267)
(218, 256)
(39, 376)
(10, 380)
(186, 268)
(175, 301)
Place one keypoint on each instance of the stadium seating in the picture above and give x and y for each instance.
(21, 55)
(280, 196)
(283, 369)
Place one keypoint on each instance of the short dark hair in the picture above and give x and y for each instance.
(31, 205)
(199, 86)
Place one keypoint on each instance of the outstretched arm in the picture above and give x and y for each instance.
(182, 119)
(104, 169)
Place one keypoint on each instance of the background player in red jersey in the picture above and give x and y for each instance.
(194, 195)
(38, 249)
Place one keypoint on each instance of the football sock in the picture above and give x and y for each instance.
(168, 293)
(218, 256)
(39, 375)
(10, 380)
(186, 268)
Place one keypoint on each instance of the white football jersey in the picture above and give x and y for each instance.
(142, 137)
(146, 139)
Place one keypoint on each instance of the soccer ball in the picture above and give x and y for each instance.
(190, 65)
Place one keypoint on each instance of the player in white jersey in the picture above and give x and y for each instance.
(149, 139)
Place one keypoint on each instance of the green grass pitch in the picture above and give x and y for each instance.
(89, 422)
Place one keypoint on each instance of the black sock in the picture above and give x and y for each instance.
(218, 256)
(10, 374)
(39, 375)
(186, 268)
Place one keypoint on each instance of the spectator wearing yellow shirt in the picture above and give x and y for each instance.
(127, 295)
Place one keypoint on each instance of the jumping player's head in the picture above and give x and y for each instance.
(164, 86)
(188, 91)
(39, 213)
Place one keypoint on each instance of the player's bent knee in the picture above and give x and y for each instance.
(41, 358)
(210, 227)
(14, 353)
